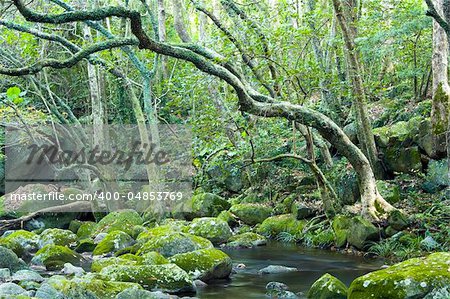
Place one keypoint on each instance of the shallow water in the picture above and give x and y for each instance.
(312, 263)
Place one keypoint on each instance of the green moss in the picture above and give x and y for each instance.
(328, 287)
(85, 245)
(8, 259)
(251, 213)
(113, 242)
(86, 229)
(161, 230)
(20, 241)
(213, 229)
(174, 243)
(204, 264)
(98, 264)
(75, 225)
(246, 240)
(168, 277)
(228, 217)
(124, 220)
(53, 257)
(414, 278)
(208, 205)
(273, 226)
(57, 236)
(154, 258)
(389, 191)
(90, 288)
(441, 100)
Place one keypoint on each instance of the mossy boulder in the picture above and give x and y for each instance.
(354, 230)
(414, 278)
(328, 287)
(153, 258)
(20, 241)
(213, 229)
(288, 223)
(98, 264)
(123, 220)
(404, 160)
(161, 230)
(204, 264)
(168, 277)
(85, 245)
(340, 226)
(53, 257)
(208, 205)
(89, 288)
(113, 242)
(11, 290)
(174, 243)
(8, 259)
(361, 231)
(228, 217)
(86, 229)
(397, 220)
(389, 191)
(246, 240)
(251, 214)
(75, 225)
(57, 236)
(437, 177)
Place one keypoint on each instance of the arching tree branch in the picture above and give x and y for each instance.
(61, 64)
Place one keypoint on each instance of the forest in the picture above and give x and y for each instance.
(224, 149)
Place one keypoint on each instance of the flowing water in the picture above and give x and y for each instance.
(312, 263)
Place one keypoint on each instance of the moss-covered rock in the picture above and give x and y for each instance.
(251, 214)
(8, 259)
(123, 220)
(328, 287)
(288, 223)
(174, 243)
(57, 236)
(153, 258)
(98, 264)
(75, 225)
(397, 220)
(213, 229)
(414, 278)
(246, 240)
(403, 160)
(228, 217)
(86, 229)
(161, 230)
(204, 264)
(354, 230)
(53, 257)
(389, 191)
(89, 288)
(168, 277)
(85, 245)
(20, 241)
(341, 225)
(113, 242)
(208, 205)
(361, 231)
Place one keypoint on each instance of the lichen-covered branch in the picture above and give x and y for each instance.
(70, 62)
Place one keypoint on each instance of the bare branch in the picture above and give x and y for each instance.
(432, 12)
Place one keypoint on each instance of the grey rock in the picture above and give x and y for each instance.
(27, 275)
(277, 286)
(276, 269)
(99, 237)
(8, 259)
(46, 291)
(5, 274)
(70, 269)
(10, 288)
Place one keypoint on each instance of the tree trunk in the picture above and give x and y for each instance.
(162, 35)
(364, 127)
(441, 88)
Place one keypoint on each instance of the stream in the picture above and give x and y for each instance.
(312, 264)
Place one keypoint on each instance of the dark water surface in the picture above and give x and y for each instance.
(312, 263)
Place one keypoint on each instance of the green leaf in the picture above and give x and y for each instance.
(13, 93)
